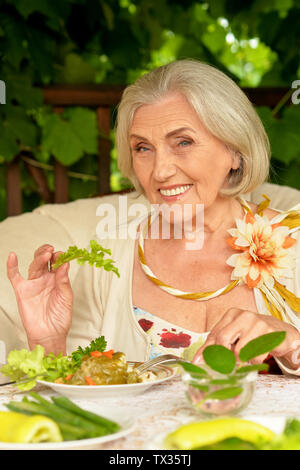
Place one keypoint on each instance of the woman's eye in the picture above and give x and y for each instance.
(141, 149)
(184, 143)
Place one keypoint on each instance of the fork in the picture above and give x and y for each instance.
(163, 359)
(24, 380)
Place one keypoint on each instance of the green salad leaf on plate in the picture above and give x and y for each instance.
(24, 364)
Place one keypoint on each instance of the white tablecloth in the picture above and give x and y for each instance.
(164, 406)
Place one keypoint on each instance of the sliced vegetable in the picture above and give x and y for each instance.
(96, 354)
(199, 434)
(288, 440)
(233, 443)
(17, 427)
(109, 353)
(89, 381)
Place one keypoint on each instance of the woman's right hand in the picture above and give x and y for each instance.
(45, 299)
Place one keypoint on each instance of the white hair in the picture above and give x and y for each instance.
(222, 107)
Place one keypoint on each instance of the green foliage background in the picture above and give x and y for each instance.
(43, 42)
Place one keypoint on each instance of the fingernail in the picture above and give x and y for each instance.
(198, 360)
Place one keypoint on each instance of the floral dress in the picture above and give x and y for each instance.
(167, 338)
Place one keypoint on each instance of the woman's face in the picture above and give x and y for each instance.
(175, 158)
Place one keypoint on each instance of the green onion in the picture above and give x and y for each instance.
(74, 422)
(67, 404)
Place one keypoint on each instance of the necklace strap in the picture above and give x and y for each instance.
(200, 296)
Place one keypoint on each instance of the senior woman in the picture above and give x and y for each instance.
(186, 134)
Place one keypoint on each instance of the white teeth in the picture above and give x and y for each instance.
(174, 192)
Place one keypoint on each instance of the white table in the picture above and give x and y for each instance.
(164, 406)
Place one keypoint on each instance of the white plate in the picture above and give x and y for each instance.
(125, 420)
(111, 391)
(275, 423)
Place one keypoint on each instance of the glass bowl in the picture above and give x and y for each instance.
(202, 393)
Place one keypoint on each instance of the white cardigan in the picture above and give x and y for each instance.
(74, 223)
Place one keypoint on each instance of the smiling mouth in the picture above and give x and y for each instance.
(175, 191)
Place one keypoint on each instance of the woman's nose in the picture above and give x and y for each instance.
(164, 166)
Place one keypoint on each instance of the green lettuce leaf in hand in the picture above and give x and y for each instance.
(94, 258)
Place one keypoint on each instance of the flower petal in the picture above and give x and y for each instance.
(288, 242)
(231, 242)
(254, 271)
(242, 241)
(232, 260)
(252, 283)
(250, 219)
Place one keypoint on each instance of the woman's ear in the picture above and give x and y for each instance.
(236, 160)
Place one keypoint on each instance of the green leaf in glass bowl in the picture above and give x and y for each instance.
(261, 345)
(226, 381)
(192, 369)
(252, 368)
(224, 393)
(219, 358)
(203, 388)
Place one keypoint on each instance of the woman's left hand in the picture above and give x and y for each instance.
(237, 327)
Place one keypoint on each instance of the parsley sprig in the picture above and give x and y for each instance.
(98, 344)
(95, 257)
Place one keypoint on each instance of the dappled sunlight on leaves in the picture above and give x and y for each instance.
(92, 42)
